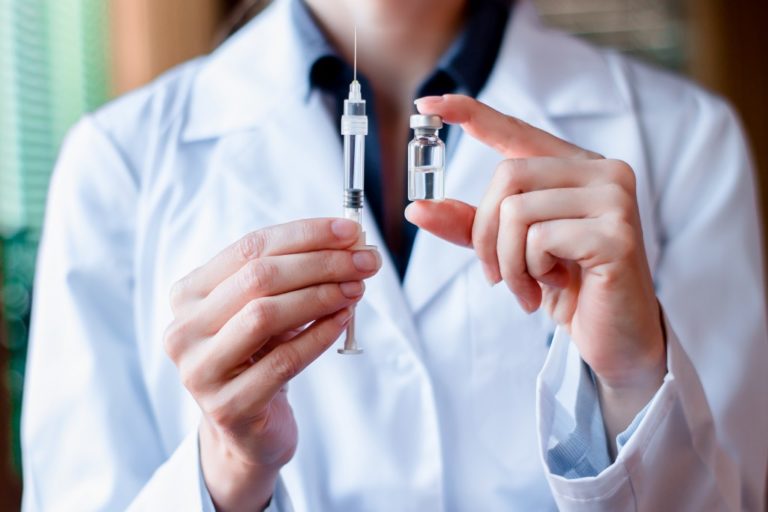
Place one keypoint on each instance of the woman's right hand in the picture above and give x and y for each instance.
(245, 324)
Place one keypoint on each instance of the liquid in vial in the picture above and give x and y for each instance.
(426, 159)
(426, 183)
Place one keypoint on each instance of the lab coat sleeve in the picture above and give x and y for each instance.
(90, 441)
(182, 475)
(700, 443)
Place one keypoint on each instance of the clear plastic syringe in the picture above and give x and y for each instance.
(354, 128)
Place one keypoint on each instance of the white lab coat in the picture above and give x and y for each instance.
(444, 411)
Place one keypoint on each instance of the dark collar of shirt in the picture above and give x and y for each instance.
(464, 68)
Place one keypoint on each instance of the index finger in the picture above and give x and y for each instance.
(290, 238)
(508, 135)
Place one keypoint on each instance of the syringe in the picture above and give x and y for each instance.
(354, 128)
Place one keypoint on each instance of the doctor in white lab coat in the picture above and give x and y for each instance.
(621, 365)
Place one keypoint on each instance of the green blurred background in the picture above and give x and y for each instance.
(61, 58)
(52, 69)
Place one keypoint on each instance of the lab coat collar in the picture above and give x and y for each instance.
(259, 69)
(248, 78)
(541, 75)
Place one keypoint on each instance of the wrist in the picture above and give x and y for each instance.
(631, 396)
(643, 374)
(233, 483)
(622, 398)
(644, 364)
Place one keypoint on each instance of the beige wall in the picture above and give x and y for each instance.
(729, 54)
(150, 36)
(727, 50)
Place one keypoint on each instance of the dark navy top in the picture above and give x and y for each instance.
(463, 69)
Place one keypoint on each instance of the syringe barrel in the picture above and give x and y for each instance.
(354, 162)
(354, 128)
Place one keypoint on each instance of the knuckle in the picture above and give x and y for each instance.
(592, 155)
(516, 122)
(580, 153)
(513, 207)
(253, 244)
(622, 174)
(199, 372)
(479, 235)
(536, 236)
(329, 296)
(178, 293)
(619, 198)
(258, 276)
(623, 204)
(518, 126)
(173, 339)
(485, 247)
(284, 363)
(622, 236)
(307, 231)
(221, 411)
(513, 170)
(189, 375)
(256, 315)
(328, 263)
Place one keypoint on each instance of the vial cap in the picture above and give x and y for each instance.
(432, 121)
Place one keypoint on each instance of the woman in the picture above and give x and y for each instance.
(618, 367)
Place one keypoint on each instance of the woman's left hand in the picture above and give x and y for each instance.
(560, 226)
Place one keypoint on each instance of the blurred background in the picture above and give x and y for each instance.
(61, 58)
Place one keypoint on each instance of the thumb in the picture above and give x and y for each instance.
(450, 220)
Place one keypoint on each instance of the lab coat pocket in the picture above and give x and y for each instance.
(508, 349)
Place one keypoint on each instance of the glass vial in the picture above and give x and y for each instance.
(426, 159)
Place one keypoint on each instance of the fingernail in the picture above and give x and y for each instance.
(406, 213)
(345, 229)
(352, 289)
(489, 275)
(492, 275)
(365, 261)
(527, 306)
(430, 99)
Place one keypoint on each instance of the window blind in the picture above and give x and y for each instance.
(52, 69)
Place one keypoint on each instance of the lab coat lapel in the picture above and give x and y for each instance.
(297, 180)
(539, 77)
(291, 137)
(434, 262)
(522, 86)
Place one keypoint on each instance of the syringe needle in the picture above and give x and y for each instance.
(354, 67)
